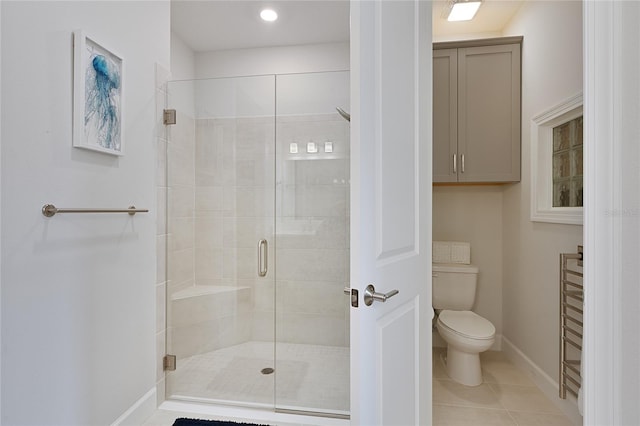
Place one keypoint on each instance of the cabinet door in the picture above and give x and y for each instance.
(445, 113)
(489, 113)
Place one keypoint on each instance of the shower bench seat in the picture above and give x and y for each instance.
(204, 318)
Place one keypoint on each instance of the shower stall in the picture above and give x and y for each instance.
(258, 242)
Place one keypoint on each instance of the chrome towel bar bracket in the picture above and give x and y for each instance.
(50, 210)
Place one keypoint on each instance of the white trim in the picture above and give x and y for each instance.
(247, 414)
(545, 383)
(600, 383)
(0, 235)
(140, 411)
(542, 125)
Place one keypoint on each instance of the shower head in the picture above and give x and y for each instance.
(344, 114)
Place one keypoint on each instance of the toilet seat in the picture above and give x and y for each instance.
(467, 324)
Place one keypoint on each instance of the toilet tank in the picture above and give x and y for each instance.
(454, 286)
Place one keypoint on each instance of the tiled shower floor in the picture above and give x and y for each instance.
(307, 377)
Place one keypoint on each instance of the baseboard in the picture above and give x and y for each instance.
(547, 385)
(438, 342)
(140, 411)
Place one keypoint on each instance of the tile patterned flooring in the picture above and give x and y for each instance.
(507, 397)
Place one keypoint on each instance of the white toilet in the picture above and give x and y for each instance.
(466, 333)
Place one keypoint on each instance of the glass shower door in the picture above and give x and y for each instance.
(312, 239)
(258, 242)
(220, 240)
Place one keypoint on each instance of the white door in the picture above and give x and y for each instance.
(391, 211)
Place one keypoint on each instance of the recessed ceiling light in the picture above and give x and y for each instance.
(463, 10)
(269, 15)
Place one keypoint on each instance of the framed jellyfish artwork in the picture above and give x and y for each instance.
(97, 97)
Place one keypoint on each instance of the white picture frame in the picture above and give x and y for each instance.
(542, 125)
(97, 96)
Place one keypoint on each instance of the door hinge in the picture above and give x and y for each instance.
(169, 116)
(169, 363)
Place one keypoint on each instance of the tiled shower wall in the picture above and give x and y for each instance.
(181, 193)
(234, 210)
(312, 258)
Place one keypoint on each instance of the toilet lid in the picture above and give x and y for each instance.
(468, 324)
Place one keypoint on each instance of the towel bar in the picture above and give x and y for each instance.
(50, 210)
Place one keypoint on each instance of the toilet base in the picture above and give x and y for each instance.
(463, 367)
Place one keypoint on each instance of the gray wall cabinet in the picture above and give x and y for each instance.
(476, 111)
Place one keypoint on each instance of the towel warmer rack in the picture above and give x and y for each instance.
(571, 311)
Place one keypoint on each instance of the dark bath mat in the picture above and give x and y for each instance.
(198, 422)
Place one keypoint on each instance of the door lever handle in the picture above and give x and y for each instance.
(371, 296)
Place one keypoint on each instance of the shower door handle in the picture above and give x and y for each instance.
(263, 257)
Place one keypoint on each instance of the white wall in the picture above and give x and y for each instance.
(181, 90)
(297, 94)
(312, 58)
(474, 214)
(183, 60)
(273, 60)
(551, 72)
(78, 313)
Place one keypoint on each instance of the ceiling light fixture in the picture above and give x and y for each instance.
(268, 15)
(462, 10)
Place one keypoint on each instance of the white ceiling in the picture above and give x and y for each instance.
(235, 24)
(207, 25)
(492, 17)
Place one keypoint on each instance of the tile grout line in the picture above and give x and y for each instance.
(515, 422)
(476, 405)
(497, 397)
(538, 411)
